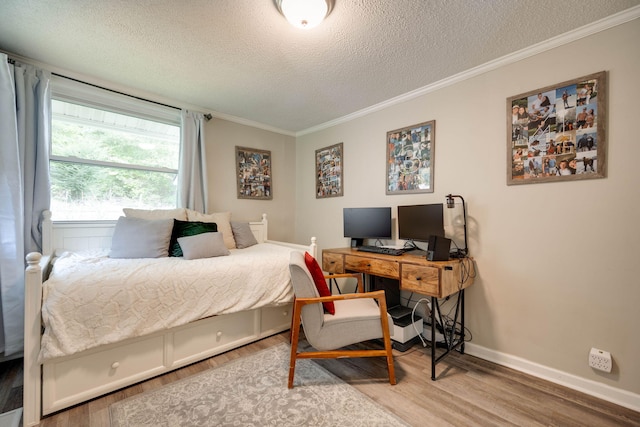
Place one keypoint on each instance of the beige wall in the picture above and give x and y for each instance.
(556, 261)
(222, 137)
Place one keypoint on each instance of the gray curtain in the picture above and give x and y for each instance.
(25, 136)
(192, 175)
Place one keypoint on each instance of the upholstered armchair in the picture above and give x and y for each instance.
(357, 317)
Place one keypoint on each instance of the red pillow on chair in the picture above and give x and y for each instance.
(320, 282)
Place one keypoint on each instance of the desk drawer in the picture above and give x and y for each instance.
(333, 263)
(375, 267)
(421, 279)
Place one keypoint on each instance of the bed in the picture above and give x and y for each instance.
(80, 361)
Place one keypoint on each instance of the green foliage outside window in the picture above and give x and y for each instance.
(96, 170)
(111, 145)
(77, 183)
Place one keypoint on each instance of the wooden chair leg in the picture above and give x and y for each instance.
(295, 335)
(291, 326)
(386, 337)
(390, 367)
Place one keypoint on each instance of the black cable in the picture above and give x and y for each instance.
(449, 322)
(467, 271)
(409, 300)
(405, 353)
(410, 244)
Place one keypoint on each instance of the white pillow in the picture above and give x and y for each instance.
(141, 238)
(179, 213)
(205, 245)
(222, 220)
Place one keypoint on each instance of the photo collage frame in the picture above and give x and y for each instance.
(329, 171)
(410, 159)
(558, 133)
(253, 172)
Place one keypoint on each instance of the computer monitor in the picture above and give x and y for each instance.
(419, 222)
(366, 223)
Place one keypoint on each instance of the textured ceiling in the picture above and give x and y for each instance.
(242, 59)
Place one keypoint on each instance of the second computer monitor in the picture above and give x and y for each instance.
(366, 223)
(419, 222)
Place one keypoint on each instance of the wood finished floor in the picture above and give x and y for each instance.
(469, 392)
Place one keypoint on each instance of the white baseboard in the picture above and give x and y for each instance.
(610, 394)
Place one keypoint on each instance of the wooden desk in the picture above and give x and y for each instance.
(436, 279)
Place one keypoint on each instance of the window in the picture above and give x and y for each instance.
(108, 152)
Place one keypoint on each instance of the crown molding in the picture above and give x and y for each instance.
(563, 39)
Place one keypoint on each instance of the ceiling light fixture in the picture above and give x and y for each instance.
(304, 14)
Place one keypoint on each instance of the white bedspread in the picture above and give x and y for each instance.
(91, 299)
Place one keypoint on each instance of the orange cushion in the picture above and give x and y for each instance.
(320, 282)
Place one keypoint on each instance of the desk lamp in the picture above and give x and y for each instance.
(450, 204)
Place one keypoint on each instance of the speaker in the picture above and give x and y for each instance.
(438, 249)
(356, 243)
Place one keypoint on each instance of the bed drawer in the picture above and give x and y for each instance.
(76, 379)
(275, 319)
(200, 339)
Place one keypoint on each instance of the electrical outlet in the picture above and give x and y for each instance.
(600, 360)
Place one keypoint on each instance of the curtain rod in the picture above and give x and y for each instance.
(115, 91)
(207, 116)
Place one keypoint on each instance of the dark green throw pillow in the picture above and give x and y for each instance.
(188, 228)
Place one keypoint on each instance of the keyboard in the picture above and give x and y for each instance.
(381, 250)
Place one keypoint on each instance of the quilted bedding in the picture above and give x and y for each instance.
(91, 299)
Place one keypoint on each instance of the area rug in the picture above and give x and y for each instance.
(252, 391)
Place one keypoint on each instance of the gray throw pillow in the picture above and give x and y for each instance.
(188, 228)
(204, 245)
(141, 238)
(243, 235)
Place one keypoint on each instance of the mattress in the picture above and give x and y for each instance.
(90, 299)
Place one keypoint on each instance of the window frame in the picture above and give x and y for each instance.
(92, 96)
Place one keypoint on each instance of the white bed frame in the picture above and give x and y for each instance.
(66, 381)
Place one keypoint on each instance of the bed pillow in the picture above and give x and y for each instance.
(205, 245)
(188, 228)
(180, 213)
(141, 238)
(223, 219)
(243, 235)
(320, 282)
